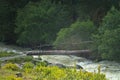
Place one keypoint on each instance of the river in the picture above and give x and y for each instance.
(110, 68)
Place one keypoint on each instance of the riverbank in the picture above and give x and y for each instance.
(110, 68)
(29, 71)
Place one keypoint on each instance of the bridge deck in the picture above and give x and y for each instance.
(60, 52)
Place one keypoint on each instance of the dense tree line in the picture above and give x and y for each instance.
(107, 39)
(35, 22)
(42, 20)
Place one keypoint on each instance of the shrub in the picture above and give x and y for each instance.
(51, 73)
(10, 66)
(21, 59)
(14, 78)
(55, 73)
(43, 63)
(5, 53)
(78, 36)
(28, 66)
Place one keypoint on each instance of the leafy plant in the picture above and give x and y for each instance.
(78, 36)
(50, 73)
(21, 59)
(5, 53)
(28, 66)
(43, 63)
(10, 66)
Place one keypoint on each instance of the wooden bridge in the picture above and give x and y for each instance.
(82, 53)
(43, 50)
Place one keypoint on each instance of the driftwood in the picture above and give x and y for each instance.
(60, 52)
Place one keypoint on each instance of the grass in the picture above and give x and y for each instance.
(6, 54)
(15, 60)
(21, 59)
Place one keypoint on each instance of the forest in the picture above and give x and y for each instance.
(66, 24)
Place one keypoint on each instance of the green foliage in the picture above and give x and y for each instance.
(21, 59)
(43, 18)
(6, 74)
(55, 73)
(38, 22)
(0, 63)
(6, 22)
(110, 21)
(51, 73)
(110, 45)
(13, 77)
(65, 13)
(107, 40)
(43, 63)
(6, 54)
(28, 66)
(77, 36)
(10, 66)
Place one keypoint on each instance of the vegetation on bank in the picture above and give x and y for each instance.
(63, 23)
(21, 59)
(77, 36)
(26, 68)
(6, 54)
(29, 71)
(107, 40)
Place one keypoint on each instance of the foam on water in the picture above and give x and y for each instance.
(110, 68)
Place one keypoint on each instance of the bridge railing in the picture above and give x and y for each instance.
(64, 46)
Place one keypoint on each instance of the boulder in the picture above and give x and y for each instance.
(76, 66)
(19, 74)
(57, 64)
(79, 67)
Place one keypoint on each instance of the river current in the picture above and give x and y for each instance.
(110, 68)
